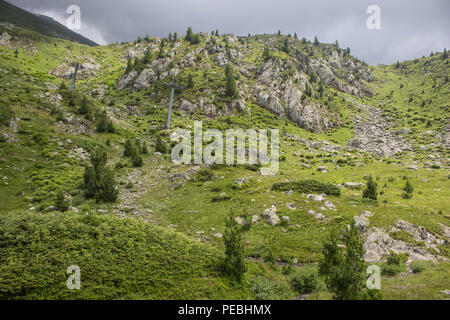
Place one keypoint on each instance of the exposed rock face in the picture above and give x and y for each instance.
(419, 234)
(276, 84)
(378, 245)
(187, 107)
(87, 68)
(126, 80)
(310, 117)
(270, 102)
(144, 79)
(362, 221)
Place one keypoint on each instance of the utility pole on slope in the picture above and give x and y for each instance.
(172, 87)
(74, 76)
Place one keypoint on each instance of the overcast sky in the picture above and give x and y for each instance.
(409, 28)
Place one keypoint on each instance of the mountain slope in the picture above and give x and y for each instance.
(41, 24)
(46, 134)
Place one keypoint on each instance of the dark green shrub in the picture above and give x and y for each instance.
(104, 124)
(408, 190)
(128, 149)
(371, 190)
(204, 175)
(61, 203)
(304, 282)
(99, 181)
(308, 186)
(160, 145)
(418, 266)
(6, 114)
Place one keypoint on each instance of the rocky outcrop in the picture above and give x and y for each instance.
(379, 244)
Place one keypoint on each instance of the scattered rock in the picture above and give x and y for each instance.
(316, 197)
(270, 215)
(316, 215)
(354, 185)
(291, 206)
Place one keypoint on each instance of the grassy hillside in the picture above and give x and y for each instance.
(118, 258)
(168, 244)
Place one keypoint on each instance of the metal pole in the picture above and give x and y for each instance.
(74, 77)
(172, 91)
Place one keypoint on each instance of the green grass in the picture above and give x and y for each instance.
(118, 258)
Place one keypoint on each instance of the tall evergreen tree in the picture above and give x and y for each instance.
(129, 65)
(190, 81)
(230, 88)
(408, 190)
(344, 270)
(316, 41)
(99, 181)
(189, 34)
(234, 263)
(285, 47)
(371, 190)
(266, 53)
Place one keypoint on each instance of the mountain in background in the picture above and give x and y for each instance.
(39, 23)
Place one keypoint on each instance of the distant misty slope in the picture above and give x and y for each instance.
(39, 23)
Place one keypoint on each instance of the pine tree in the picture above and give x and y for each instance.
(99, 181)
(170, 37)
(266, 53)
(316, 41)
(230, 88)
(217, 33)
(189, 34)
(286, 46)
(104, 124)
(161, 53)
(371, 190)
(144, 149)
(408, 190)
(308, 90)
(190, 81)
(175, 37)
(61, 203)
(147, 56)
(84, 108)
(129, 66)
(445, 54)
(195, 39)
(234, 263)
(345, 269)
(128, 149)
(295, 35)
(160, 146)
(136, 159)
